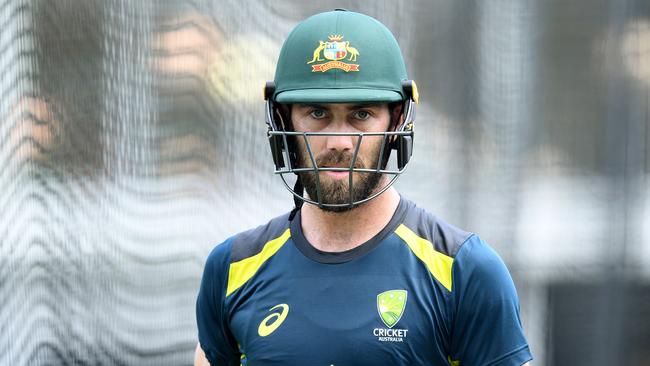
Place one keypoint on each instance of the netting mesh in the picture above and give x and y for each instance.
(133, 141)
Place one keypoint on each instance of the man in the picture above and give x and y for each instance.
(359, 275)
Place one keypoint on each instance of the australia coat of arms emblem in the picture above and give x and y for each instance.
(335, 51)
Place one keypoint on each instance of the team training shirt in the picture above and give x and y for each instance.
(421, 292)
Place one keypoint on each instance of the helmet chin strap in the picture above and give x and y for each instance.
(299, 189)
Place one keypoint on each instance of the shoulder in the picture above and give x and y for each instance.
(246, 244)
(457, 258)
(445, 237)
(251, 242)
(435, 242)
(478, 265)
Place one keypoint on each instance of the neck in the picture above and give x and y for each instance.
(340, 231)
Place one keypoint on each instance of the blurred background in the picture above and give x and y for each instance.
(133, 141)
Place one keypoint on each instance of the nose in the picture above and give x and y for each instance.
(340, 142)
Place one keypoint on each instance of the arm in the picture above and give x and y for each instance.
(217, 344)
(487, 325)
(199, 357)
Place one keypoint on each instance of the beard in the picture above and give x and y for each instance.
(337, 191)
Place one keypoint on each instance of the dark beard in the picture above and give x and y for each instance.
(337, 192)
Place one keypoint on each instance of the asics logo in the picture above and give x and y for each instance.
(273, 321)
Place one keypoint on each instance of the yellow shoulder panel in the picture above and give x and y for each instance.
(245, 269)
(438, 264)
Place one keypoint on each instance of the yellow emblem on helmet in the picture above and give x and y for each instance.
(334, 50)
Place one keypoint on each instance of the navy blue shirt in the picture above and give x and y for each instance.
(421, 292)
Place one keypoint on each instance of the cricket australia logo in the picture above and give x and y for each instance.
(391, 305)
(335, 50)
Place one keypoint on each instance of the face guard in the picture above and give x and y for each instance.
(285, 155)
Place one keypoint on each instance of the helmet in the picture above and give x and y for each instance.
(339, 57)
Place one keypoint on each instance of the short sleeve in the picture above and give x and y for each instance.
(486, 326)
(216, 340)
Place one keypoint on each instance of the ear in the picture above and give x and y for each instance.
(396, 116)
(284, 112)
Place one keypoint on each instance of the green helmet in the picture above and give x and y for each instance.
(339, 57)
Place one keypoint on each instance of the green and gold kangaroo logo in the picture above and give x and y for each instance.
(335, 51)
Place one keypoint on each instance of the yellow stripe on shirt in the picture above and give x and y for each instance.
(242, 271)
(437, 263)
(453, 362)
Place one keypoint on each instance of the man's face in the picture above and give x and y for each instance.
(337, 151)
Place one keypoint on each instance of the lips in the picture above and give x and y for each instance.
(337, 174)
(337, 166)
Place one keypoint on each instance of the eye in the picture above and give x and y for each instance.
(362, 115)
(317, 114)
